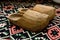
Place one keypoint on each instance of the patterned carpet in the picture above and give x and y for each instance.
(9, 31)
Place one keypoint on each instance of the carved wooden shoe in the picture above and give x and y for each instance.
(30, 20)
(46, 10)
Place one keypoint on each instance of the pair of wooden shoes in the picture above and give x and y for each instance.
(33, 20)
